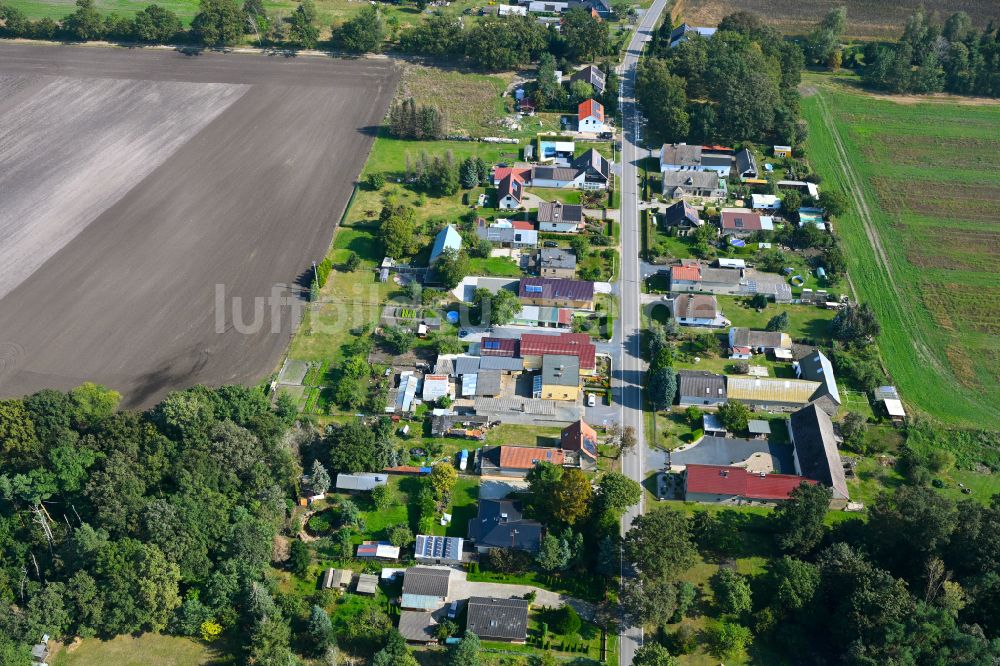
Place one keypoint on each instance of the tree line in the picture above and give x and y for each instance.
(934, 57)
(739, 85)
(118, 522)
(494, 43)
(915, 583)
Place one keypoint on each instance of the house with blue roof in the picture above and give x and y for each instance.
(447, 238)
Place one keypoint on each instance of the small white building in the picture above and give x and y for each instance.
(765, 202)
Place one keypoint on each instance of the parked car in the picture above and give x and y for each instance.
(550, 244)
(591, 399)
(463, 333)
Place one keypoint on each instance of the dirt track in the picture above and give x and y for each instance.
(229, 170)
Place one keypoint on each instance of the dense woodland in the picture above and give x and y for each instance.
(741, 85)
(124, 522)
(934, 57)
(918, 582)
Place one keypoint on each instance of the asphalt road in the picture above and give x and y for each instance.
(129, 296)
(632, 365)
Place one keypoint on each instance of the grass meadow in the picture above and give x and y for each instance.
(144, 650)
(928, 174)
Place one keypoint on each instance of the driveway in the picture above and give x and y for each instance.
(462, 588)
(495, 488)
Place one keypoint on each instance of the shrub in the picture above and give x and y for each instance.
(376, 181)
(566, 621)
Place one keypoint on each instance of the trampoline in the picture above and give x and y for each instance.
(452, 316)
(737, 242)
(797, 281)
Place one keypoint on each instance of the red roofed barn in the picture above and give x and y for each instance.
(736, 485)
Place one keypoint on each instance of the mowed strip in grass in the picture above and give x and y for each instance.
(939, 298)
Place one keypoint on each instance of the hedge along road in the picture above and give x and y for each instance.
(166, 181)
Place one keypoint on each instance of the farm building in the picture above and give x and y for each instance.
(888, 396)
(768, 202)
(500, 524)
(701, 388)
(816, 454)
(758, 428)
(770, 392)
(698, 310)
(758, 342)
(719, 484)
(425, 588)
(494, 619)
(435, 386)
(438, 549)
(361, 481)
(446, 239)
(816, 367)
(695, 276)
(381, 550)
(339, 578)
(712, 426)
(367, 584)
(417, 626)
(782, 151)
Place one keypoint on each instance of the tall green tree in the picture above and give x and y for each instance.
(798, 523)
(218, 22)
(502, 43)
(663, 98)
(155, 24)
(584, 36)
(364, 32)
(85, 23)
(659, 544)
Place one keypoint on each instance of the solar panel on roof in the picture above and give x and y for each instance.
(533, 288)
(493, 344)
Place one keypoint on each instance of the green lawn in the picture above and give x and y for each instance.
(926, 172)
(144, 650)
(805, 322)
(496, 266)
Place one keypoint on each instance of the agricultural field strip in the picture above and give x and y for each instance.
(895, 346)
(138, 287)
(67, 159)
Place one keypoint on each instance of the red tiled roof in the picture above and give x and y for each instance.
(579, 437)
(740, 221)
(565, 316)
(692, 273)
(591, 108)
(498, 347)
(572, 344)
(720, 480)
(511, 185)
(524, 173)
(523, 225)
(525, 457)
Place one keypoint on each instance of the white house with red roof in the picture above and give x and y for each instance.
(736, 485)
(510, 191)
(590, 117)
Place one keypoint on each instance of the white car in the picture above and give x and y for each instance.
(591, 399)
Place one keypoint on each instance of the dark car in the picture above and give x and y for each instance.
(550, 244)
(463, 333)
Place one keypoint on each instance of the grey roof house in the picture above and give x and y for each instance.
(361, 481)
(702, 388)
(592, 75)
(500, 524)
(496, 619)
(425, 588)
(816, 367)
